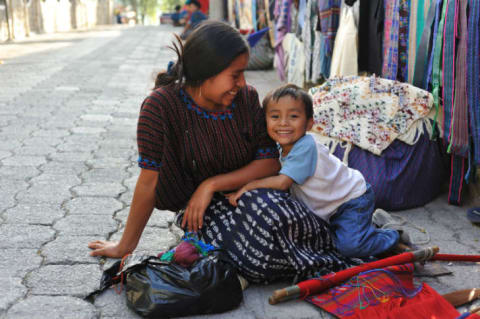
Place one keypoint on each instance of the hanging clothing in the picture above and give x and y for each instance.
(295, 59)
(473, 81)
(344, 57)
(317, 58)
(412, 40)
(420, 19)
(422, 51)
(390, 39)
(370, 36)
(459, 127)
(428, 76)
(247, 17)
(308, 38)
(328, 21)
(282, 27)
(448, 67)
(403, 32)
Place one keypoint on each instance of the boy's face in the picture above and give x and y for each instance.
(191, 7)
(287, 121)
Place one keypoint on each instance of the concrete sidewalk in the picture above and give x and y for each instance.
(68, 111)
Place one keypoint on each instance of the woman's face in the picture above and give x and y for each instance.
(218, 92)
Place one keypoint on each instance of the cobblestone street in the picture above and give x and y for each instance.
(68, 112)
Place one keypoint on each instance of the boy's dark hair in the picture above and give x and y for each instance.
(177, 7)
(195, 3)
(293, 91)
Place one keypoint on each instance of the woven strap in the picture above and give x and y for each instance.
(449, 46)
(459, 127)
(456, 179)
(473, 83)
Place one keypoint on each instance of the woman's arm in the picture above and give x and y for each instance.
(193, 217)
(141, 208)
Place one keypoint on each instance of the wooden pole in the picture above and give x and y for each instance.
(7, 16)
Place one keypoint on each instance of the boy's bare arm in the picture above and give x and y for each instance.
(280, 182)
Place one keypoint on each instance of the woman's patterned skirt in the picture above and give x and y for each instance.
(271, 236)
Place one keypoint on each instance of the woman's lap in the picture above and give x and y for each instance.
(271, 236)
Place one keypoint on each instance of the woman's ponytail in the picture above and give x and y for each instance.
(174, 73)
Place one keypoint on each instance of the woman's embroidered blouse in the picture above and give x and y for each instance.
(187, 144)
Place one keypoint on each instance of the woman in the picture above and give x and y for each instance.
(202, 132)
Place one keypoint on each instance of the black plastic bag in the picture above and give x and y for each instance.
(159, 289)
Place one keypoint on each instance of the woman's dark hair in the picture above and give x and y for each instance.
(208, 50)
(294, 92)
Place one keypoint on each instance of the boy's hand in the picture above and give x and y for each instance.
(233, 197)
(193, 216)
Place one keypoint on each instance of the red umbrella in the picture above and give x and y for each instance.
(313, 286)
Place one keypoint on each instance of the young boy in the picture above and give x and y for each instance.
(333, 191)
(196, 16)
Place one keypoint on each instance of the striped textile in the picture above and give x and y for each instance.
(328, 21)
(459, 128)
(473, 81)
(420, 19)
(186, 144)
(412, 40)
(423, 49)
(390, 40)
(436, 69)
(270, 236)
(448, 67)
(405, 176)
(403, 32)
(428, 75)
(457, 173)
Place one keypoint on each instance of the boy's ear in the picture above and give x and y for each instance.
(309, 124)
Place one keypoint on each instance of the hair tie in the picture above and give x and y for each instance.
(170, 68)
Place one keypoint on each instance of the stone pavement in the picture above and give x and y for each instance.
(68, 110)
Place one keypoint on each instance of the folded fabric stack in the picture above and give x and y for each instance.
(370, 112)
(384, 129)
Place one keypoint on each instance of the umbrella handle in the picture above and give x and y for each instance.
(281, 295)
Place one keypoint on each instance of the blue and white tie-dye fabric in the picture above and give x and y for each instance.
(270, 236)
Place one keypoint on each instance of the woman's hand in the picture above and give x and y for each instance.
(106, 248)
(193, 216)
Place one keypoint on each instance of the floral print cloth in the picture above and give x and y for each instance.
(368, 112)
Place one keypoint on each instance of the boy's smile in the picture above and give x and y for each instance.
(287, 121)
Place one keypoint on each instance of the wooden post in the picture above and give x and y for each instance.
(26, 17)
(10, 37)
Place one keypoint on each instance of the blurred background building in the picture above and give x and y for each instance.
(20, 18)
